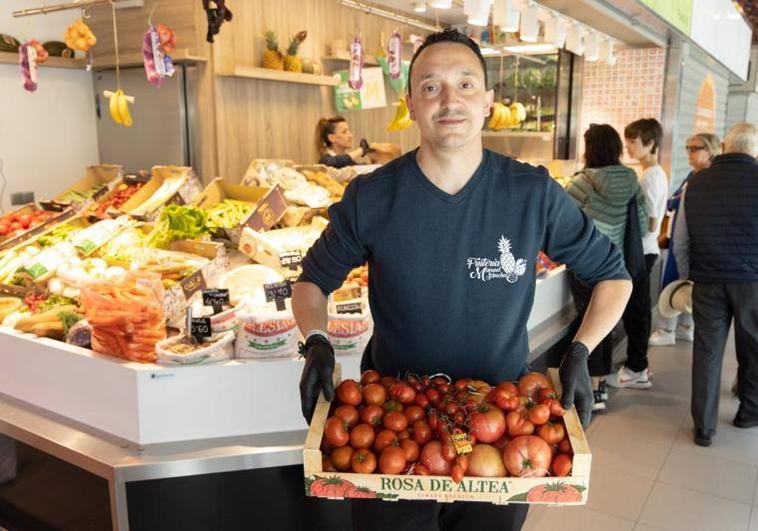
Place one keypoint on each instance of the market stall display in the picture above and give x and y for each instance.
(431, 438)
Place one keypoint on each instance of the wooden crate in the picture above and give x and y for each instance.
(570, 490)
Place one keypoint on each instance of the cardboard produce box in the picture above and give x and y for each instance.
(168, 185)
(101, 176)
(269, 205)
(280, 249)
(569, 490)
(57, 216)
(258, 170)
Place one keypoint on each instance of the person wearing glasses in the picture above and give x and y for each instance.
(701, 148)
(334, 143)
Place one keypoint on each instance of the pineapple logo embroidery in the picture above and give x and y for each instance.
(507, 267)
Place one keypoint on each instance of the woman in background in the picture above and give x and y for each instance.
(334, 143)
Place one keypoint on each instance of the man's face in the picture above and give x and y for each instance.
(449, 99)
(636, 149)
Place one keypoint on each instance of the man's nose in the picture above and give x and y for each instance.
(448, 94)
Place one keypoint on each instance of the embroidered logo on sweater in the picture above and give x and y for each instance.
(507, 266)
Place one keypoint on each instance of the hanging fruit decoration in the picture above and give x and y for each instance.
(118, 106)
(157, 43)
(393, 55)
(80, 37)
(402, 119)
(27, 58)
(216, 16)
(355, 71)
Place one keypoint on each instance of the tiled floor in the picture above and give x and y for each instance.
(648, 475)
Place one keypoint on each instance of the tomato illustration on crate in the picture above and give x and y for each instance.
(558, 492)
(337, 487)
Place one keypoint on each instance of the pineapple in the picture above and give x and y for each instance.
(292, 62)
(272, 57)
(507, 260)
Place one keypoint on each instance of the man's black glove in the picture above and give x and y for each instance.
(576, 382)
(317, 373)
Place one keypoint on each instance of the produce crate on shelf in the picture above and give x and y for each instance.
(52, 217)
(548, 490)
(168, 185)
(269, 205)
(98, 180)
(258, 168)
(281, 249)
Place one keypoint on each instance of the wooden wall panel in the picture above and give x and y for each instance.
(265, 119)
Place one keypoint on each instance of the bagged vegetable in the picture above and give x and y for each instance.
(178, 350)
(349, 333)
(126, 317)
(266, 333)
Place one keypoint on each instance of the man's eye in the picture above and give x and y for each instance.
(430, 88)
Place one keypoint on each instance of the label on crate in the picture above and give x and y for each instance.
(349, 307)
(291, 259)
(193, 283)
(462, 443)
(278, 292)
(176, 199)
(217, 298)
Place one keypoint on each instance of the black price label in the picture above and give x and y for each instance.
(217, 298)
(278, 291)
(176, 199)
(349, 307)
(291, 259)
(201, 327)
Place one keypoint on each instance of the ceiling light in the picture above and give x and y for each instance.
(555, 31)
(540, 48)
(575, 40)
(441, 4)
(530, 24)
(592, 48)
(419, 7)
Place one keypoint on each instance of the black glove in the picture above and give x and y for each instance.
(576, 382)
(317, 373)
(366, 147)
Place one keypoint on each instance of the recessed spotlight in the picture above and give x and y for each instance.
(419, 7)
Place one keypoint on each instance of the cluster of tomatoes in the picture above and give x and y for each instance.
(120, 196)
(432, 426)
(18, 222)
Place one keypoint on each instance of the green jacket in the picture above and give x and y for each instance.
(604, 193)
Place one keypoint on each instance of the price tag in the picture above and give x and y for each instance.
(462, 443)
(349, 307)
(176, 199)
(217, 298)
(201, 327)
(278, 291)
(291, 259)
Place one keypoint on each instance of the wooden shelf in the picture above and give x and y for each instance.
(180, 55)
(279, 75)
(11, 58)
(368, 60)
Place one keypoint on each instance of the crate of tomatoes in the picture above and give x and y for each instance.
(430, 438)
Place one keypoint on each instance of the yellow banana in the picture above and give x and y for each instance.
(402, 119)
(494, 116)
(518, 112)
(123, 110)
(113, 107)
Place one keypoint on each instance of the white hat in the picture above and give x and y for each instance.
(675, 298)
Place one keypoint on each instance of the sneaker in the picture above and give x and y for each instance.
(603, 390)
(685, 333)
(628, 378)
(599, 403)
(662, 338)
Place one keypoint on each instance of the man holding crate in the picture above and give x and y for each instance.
(450, 232)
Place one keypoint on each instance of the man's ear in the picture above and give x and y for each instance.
(409, 102)
(490, 95)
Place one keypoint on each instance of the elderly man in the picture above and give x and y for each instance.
(716, 246)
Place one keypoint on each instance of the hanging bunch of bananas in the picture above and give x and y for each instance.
(504, 117)
(119, 108)
(402, 119)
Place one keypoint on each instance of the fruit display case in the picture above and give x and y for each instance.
(568, 490)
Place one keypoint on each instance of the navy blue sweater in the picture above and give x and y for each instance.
(452, 277)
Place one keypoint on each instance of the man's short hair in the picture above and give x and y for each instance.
(448, 35)
(647, 130)
(742, 138)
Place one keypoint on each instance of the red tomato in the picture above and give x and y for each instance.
(362, 436)
(421, 470)
(327, 465)
(393, 405)
(532, 383)
(411, 449)
(384, 439)
(462, 384)
(451, 408)
(552, 433)
(392, 460)
(565, 447)
(363, 461)
(431, 458)
(402, 392)
(335, 432)
(433, 395)
(16, 226)
(421, 431)
(556, 409)
(395, 421)
(414, 413)
(387, 381)
(456, 473)
(349, 393)
(25, 220)
(370, 376)
(372, 414)
(374, 394)
(462, 461)
(538, 414)
(545, 394)
(403, 435)
(488, 423)
(527, 456)
(448, 450)
(561, 465)
(341, 458)
(347, 413)
(518, 425)
(485, 461)
(422, 400)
